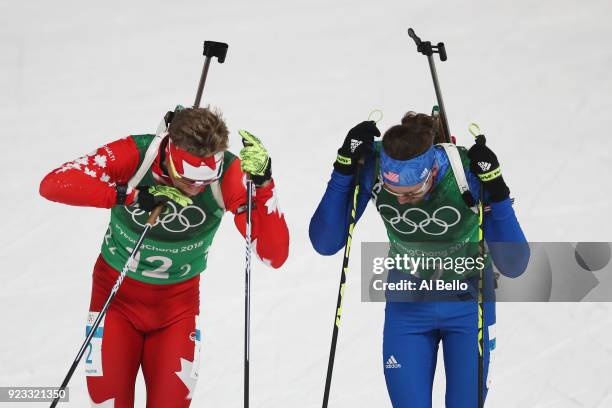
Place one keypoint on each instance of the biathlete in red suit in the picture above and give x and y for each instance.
(153, 321)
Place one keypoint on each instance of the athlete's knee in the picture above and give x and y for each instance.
(171, 376)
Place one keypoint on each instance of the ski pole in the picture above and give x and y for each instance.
(480, 139)
(480, 306)
(247, 291)
(150, 223)
(211, 49)
(425, 48)
(345, 264)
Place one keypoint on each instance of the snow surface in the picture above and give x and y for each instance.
(535, 75)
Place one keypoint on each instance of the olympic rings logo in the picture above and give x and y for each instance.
(171, 213)
(413, 226)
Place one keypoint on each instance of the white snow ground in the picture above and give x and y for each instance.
(74, 75)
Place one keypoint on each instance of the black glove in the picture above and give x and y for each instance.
(484, 164)
(357, 143)
(150, 197)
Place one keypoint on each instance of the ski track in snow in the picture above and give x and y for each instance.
(75, 75)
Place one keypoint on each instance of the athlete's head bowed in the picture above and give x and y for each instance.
(194, 153)
(407, 159)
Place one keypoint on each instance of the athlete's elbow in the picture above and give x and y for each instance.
(280, 258)
(323, 245)
(48, 187)
(274, 249)
(323, 240)
(511, 259)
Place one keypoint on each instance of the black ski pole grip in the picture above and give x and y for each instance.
(215, 49)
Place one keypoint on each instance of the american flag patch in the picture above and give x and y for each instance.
(391, 176)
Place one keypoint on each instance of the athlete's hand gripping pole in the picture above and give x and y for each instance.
(425, 48)
(150, 223)
(212, 49)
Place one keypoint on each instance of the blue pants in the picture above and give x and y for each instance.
(413, 331)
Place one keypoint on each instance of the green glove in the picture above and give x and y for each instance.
(254, 158)
(150, 197)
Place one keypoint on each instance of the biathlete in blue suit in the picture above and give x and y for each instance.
(426, 192)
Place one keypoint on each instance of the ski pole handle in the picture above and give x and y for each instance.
(474, 129)
(479, 138)
(375, 111)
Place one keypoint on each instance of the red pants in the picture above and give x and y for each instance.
(149, 326)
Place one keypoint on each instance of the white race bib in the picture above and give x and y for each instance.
(197, 339)
(93, 352)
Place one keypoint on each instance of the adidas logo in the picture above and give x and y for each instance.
(355, 144)
(485, 166)
(392, 363)
(424, 173)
